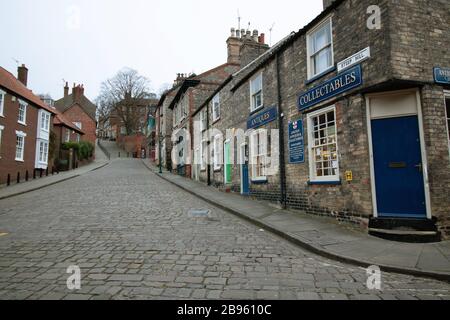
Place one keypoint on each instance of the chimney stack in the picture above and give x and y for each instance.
(22, 74)
(262, 38)
(77, 92)
(66, 90)
(234, 43)
(327, 3)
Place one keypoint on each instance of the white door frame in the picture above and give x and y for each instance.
(242, 163)
(228, 141)
(422, 146)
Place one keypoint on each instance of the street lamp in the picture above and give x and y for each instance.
(160, 156)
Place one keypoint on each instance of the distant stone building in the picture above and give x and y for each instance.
(78, 109)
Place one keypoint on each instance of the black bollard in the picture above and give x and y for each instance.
(18, 177)
(46, 172)
(8, 180)
(40, 173)
(34, 174)
(26, 175)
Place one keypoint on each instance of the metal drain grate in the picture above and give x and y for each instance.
(199, 213)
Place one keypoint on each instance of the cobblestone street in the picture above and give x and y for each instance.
(133, 239)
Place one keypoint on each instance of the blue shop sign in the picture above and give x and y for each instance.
(442, 75)
(262, 118)
(296, 142)
(345, 81)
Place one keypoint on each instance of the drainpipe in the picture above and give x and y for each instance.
(283, 195)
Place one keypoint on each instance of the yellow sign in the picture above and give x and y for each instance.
(349, 176)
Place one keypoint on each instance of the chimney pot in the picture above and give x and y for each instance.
(66, 90)
(262, 38)
(233, 32)
(238, 33)
(22, 74)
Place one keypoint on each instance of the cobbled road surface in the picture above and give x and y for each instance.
(132, 236)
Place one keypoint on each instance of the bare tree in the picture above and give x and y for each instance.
(121, 96)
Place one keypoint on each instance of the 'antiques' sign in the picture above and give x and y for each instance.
(442, 75)
(345, 81)
(262, 118)
(296, 142)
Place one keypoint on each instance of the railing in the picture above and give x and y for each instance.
(106, 152)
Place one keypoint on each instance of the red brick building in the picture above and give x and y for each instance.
(79, 110)
(25, 124)
(65, 131)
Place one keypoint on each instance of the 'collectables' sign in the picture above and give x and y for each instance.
(442, 75)
(345, 81)
(262, 118)
(354, 59)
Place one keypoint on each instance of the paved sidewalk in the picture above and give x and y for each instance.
(325, 236)
(24, 187)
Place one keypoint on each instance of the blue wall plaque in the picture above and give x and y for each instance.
(345, 81)
(296, 142)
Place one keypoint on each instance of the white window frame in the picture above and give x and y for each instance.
(258, 149)
(312, 163)
(43, 152)
(203, 115)
(216, 113)
(2, 102)
(447, 117)
(310, 55)
(1, 133)
(217, 147)
(202, 154)
(45, 121)
(24, 105)
(22, 135)
(253, 106)
(68, 134)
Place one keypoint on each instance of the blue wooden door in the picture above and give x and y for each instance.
(398, 168)
(245, 180)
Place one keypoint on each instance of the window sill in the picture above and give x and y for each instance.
(20, 160)
(320, 75)
(22, 123)
(252, 112)
(325, 183)
(262, 180)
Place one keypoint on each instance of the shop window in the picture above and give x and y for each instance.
(256, 93)
(259, 155)
(320, 49)
(22, 118)
(322, 146)
(216, 108)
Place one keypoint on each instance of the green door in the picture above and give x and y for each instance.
(227, 161)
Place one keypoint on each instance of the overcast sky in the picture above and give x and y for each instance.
(88, 41)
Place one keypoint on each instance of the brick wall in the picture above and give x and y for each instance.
(89, 125)
(8, 164)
